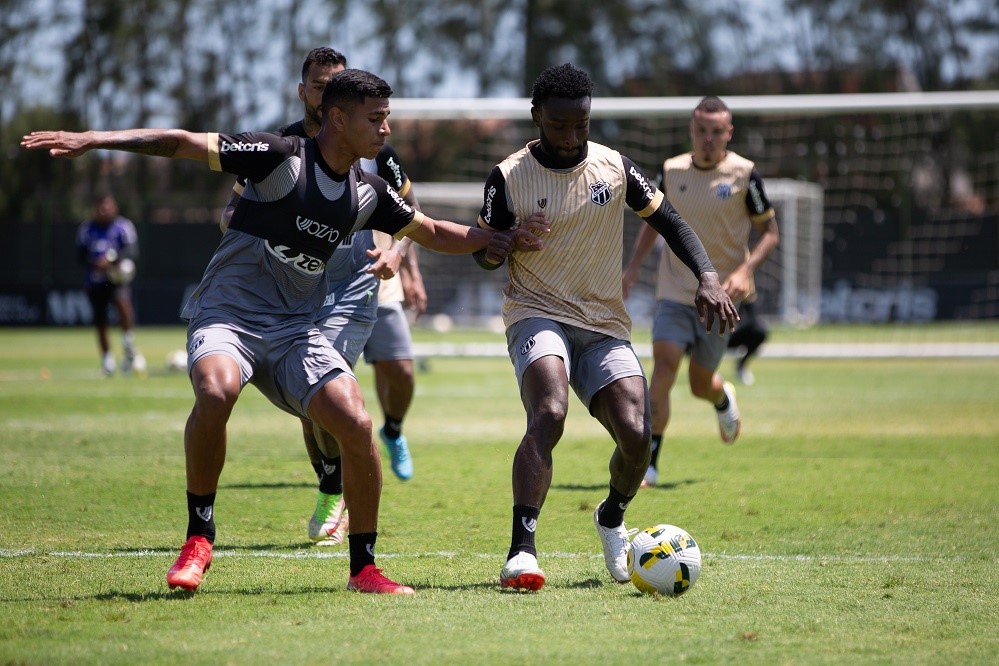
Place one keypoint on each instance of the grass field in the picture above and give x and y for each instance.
(855, 521)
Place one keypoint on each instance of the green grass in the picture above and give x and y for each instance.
(855, 521)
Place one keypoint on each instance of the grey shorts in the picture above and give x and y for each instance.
(678, 323)
(592, 360)
(347, 335)
(288, 364)
(390, 339)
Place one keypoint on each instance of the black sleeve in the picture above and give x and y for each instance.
(642, 195)
(390, 168)
(495, 212)
(756, 197)
(254, 154)
(392, 213)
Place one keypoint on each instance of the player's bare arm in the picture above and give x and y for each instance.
(173, 143)
(452, 238)
(738, 284)
(644, 243)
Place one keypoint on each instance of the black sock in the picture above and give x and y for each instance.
(612, 513)
(657, 441)
(331, 477)
(362, 551)
(201, 516)
(525, 522)
(393, 427)
(723, 405)
(317, 467)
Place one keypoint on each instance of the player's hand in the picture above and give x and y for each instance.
(386, 263)
(414, 293)
(537, 224)
(59, 144)
(712, 301)
(737, 284)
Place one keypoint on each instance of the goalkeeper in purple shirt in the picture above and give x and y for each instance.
(108, 246)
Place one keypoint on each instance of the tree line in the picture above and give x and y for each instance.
(211, 64)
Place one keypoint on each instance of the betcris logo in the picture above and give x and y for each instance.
(243, 147)
(490, 194)
(398, 199)
(396, 170)
(640, 177)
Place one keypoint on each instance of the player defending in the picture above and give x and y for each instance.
(352, 312)
(721, 195)
(252, 317)
(566, 323)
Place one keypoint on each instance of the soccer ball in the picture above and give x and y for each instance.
(121, 272)
(664, 560)
(176, 361)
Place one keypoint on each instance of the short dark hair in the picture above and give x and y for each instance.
(351, 87)
(711, 104)
(324, 56)
(565, 81)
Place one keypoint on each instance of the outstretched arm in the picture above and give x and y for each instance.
(453, 238)
(173, 143)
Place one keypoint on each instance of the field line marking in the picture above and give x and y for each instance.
(323, 553)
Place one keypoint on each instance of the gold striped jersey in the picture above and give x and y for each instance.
(576, 278)
(721, 204)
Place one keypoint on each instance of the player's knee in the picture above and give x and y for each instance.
(547, 419)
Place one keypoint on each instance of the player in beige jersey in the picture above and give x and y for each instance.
(721, 196)
(564, 312)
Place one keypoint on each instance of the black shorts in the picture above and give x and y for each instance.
(101, 296)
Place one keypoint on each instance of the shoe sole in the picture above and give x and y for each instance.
(187, 586)
(402, 589)
(735, 435)
(525, 581)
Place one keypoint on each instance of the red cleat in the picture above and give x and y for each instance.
(194, 559)
(370, 579)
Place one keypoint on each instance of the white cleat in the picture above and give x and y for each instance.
(729, 420)
(521, 572)
(616, 546)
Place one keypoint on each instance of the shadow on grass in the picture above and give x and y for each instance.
(669, 485)
(268, 486)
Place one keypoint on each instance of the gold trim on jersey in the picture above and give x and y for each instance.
(214, 160)
(417, 221)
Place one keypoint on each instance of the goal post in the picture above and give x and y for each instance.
(888, 204)
(789, 283)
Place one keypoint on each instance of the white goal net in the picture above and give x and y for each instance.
(888, 204)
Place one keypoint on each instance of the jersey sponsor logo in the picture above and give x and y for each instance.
(529, 524)
(300, 261)
(490, 194)
(396, 169)
(600, 193)
(723, 191)
(243, 147)
(317, 229)
(399, 200)
(639, 177)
